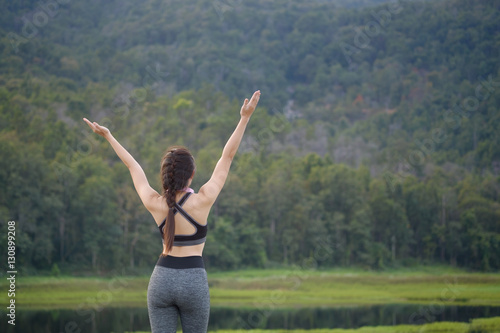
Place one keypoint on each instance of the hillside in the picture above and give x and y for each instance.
(376, 142)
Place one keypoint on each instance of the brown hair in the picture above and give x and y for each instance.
(177, 167)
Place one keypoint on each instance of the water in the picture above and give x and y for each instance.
(125, 319)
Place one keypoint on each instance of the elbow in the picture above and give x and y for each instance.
(228, 154)
(132, 165)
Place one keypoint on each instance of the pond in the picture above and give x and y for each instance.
(129, 319)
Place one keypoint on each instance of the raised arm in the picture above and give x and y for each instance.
(210, 191)
(147, 194)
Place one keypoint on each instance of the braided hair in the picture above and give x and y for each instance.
(177, 167)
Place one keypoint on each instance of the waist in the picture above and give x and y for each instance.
(188, 242)
(181, 262)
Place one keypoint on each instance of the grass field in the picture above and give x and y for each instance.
(487, 325)
(279, 288)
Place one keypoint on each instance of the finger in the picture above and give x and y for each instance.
(255, 98)
(89, 123)
(245, 102)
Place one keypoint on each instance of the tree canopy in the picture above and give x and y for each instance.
(375, 143)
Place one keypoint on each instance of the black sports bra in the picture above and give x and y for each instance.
(199, 235)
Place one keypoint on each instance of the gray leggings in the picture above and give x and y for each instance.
(179, 287)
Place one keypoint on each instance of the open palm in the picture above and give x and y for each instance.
(98, 129)
(249, 106)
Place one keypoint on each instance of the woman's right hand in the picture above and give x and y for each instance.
(98, 129)
(249, 106)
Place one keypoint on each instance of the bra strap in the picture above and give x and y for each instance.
(186, 215)
(184, 198)
(181, 202)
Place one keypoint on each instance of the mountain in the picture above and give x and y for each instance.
(376, 134)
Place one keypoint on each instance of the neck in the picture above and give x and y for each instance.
(187, 189)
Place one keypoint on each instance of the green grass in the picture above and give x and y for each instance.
(418, 270)
(487, 325)
(279, 288)
(295, 288)
(80, 292)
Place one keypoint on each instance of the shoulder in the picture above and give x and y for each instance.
(200, 200)
(197, 206)
(158, 208)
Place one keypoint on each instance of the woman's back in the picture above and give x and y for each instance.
(198, 212)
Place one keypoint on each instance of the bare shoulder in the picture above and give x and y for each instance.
(158, 208)
(198, 207)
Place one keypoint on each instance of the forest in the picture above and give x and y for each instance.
(375, 143)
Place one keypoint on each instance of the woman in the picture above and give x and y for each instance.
(178, 284)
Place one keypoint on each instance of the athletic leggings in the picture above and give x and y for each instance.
(179, 287)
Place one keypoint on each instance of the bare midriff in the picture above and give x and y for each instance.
(185, 251)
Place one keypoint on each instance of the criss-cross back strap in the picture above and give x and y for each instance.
(178, 208)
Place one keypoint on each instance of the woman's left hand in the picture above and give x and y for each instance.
(249, 106)
(98, 129)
